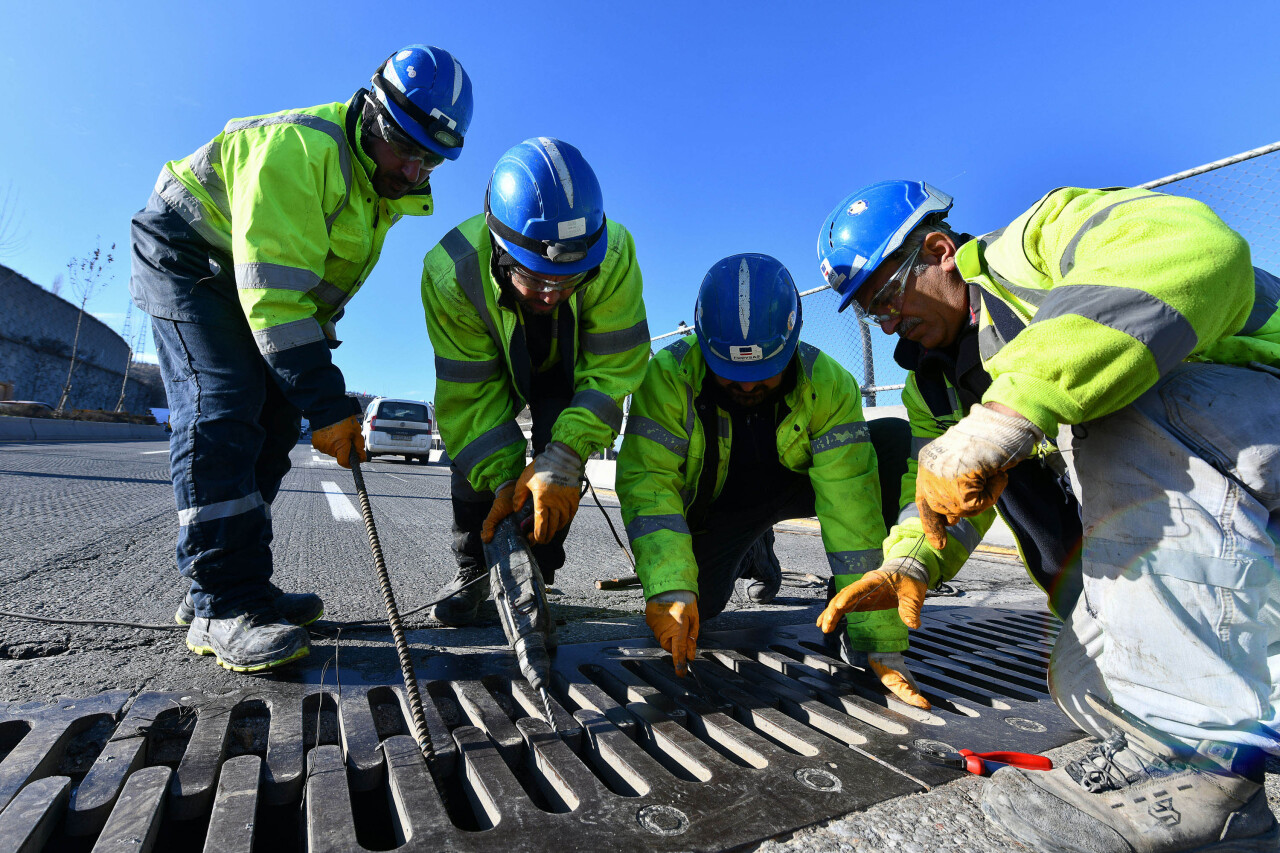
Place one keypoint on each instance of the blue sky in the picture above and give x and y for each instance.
(714, 127)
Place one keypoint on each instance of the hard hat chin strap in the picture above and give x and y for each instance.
(435, 124)
(558, 252)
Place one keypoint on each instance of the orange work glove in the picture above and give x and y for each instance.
(554, 479)
(673, 618)
(962, 472)
(899, 583)
(502, 497)
(891, 669)
(340, 439)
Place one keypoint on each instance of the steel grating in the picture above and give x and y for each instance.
(770, 735)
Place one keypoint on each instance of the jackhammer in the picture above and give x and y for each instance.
(521, 597)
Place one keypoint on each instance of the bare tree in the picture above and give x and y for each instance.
(137, 345)
(12, 239)
(87, 274)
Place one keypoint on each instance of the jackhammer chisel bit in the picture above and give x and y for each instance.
(521, 598)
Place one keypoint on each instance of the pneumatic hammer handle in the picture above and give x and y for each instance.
(520, 596)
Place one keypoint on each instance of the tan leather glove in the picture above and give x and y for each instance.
(340, 439)
(962, 472)
(502, 507)
(899, 583)
(554, 479)
(673, 618)
(891, 669)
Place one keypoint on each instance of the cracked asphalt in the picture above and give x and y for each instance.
(90, 531)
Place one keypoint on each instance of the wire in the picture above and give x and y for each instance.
(609, 521)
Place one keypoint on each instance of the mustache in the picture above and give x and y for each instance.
(908, 324)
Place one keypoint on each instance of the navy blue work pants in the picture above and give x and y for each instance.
(733, 538)
(232, 427)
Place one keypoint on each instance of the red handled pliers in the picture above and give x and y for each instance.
(986, 763)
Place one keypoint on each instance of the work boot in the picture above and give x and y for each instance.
(248, 639)
(458, 604)
(1133, 794)
(297, 608)
(761, 569)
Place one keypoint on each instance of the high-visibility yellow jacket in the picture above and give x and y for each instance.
(471, 327)
(823, 435)
(1106, 291)
(288, 200)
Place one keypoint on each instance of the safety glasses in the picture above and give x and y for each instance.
(881, 309)
(384, 127)
(532, 281)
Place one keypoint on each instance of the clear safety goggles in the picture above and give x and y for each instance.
(881, 308)
(530, 280)
(401, 144)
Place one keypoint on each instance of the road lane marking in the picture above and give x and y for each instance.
(151, 452)
(394, 477)
(339, 504)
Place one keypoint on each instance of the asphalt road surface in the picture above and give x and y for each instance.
(89, 533)
(90, 530)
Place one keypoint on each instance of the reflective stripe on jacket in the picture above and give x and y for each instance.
(288, 199)
(906, 538)
(824, 435)
(1116, 287)
(476, 395)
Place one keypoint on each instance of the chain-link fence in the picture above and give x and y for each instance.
(1244, 190)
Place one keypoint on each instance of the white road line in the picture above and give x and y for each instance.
(339, 504)
(394, 477)
(152, 452)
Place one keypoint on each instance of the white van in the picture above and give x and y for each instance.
(399, 427)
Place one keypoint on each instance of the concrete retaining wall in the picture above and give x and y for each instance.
(37, 329)
(53, 429)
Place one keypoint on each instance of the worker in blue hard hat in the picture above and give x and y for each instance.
(245, 256)
(535, 302)
(1104, 372)
(735, 428)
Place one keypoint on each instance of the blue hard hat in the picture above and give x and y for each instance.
(428, 95)
(544, 208)
(869, 226)
(747, 317)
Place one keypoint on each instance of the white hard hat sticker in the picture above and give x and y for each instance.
(857, 207)
(834, 277)
(572, 228)
(746, 353)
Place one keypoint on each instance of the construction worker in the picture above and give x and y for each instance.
(535, 302)
(789, 441)
(1129, 328)
(245, 255)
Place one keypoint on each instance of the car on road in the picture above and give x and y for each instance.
(26, 409)
(399, 427)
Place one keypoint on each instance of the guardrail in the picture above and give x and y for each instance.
(1244, 189)
(57, 429)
